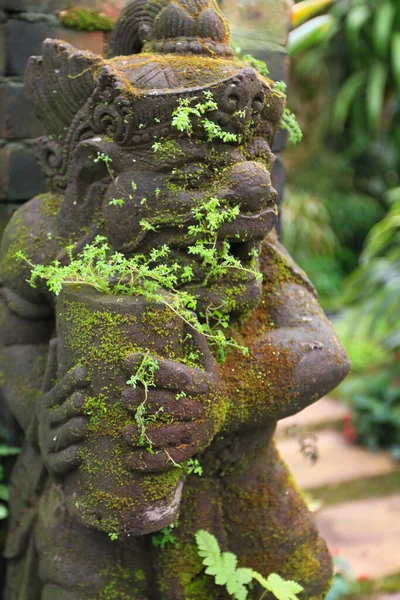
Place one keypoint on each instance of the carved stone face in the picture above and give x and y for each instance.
(163, 186)
(162, 183)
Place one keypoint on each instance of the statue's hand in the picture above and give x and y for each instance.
(183, 404)
(62, 425)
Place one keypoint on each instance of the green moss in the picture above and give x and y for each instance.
(200, 588)
(83, 19)
(50, 204)
(167, 150)
(123, 584)
(97, 337)
(303, 564)
(158, 487)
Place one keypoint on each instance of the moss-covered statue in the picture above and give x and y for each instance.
(150, 350)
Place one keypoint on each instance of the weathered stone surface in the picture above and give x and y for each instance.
(16, 117)
(2, 48)
(278, 176)
(24, 39)
(338, 460)
(19, 173)
(365, 533)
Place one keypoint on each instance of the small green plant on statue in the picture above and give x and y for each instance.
(156, 276)
(144, 376)
(117, 202)
(164, 536)
(182, 119)
(194, 467)
(289, 122)
(223, 567)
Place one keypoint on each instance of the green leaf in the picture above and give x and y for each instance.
(228, 566)
(356, 17)
(224, 568)
(382, 28)
(244, 575)
(3, 512)
(281, 588)
(345, 97)
(376, 85)
(396, 59)
(207, 544)
(310, 34)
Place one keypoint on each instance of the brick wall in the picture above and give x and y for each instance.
(24, 24)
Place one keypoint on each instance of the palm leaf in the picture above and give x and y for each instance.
(382, 28)
(376, 94)
(345, 97)
(303, 11)
(356, 18)
(396, 59)
(310, 34)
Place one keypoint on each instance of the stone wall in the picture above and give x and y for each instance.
(24, 24)
(259, 27)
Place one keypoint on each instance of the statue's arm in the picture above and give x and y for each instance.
(26, 318)
(25, 329)
(27, 354)
(294, 357)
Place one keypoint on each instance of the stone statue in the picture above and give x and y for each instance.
(90, 489)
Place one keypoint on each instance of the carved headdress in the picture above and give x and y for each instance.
(160, 52)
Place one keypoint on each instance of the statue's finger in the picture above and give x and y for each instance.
(169, 458)
(168, 403)
(133, 361)
(50, 374)
(132, 397)
(69, 434)
(74, 406)
(174, 375)
(177, 433)
(206, 358)
(178, 377)
(75, 378)
(65, 461)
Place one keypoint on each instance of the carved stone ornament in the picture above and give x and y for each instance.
(166, 330)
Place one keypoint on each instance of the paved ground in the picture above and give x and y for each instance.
(366, 530)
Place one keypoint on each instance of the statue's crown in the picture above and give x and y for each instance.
(181, 26)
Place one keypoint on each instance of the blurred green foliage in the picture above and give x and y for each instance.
(325, 222)
(346, 195)
(375, 402)
(374, 287)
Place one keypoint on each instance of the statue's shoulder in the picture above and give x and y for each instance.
(277, 266)
(31, 230)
